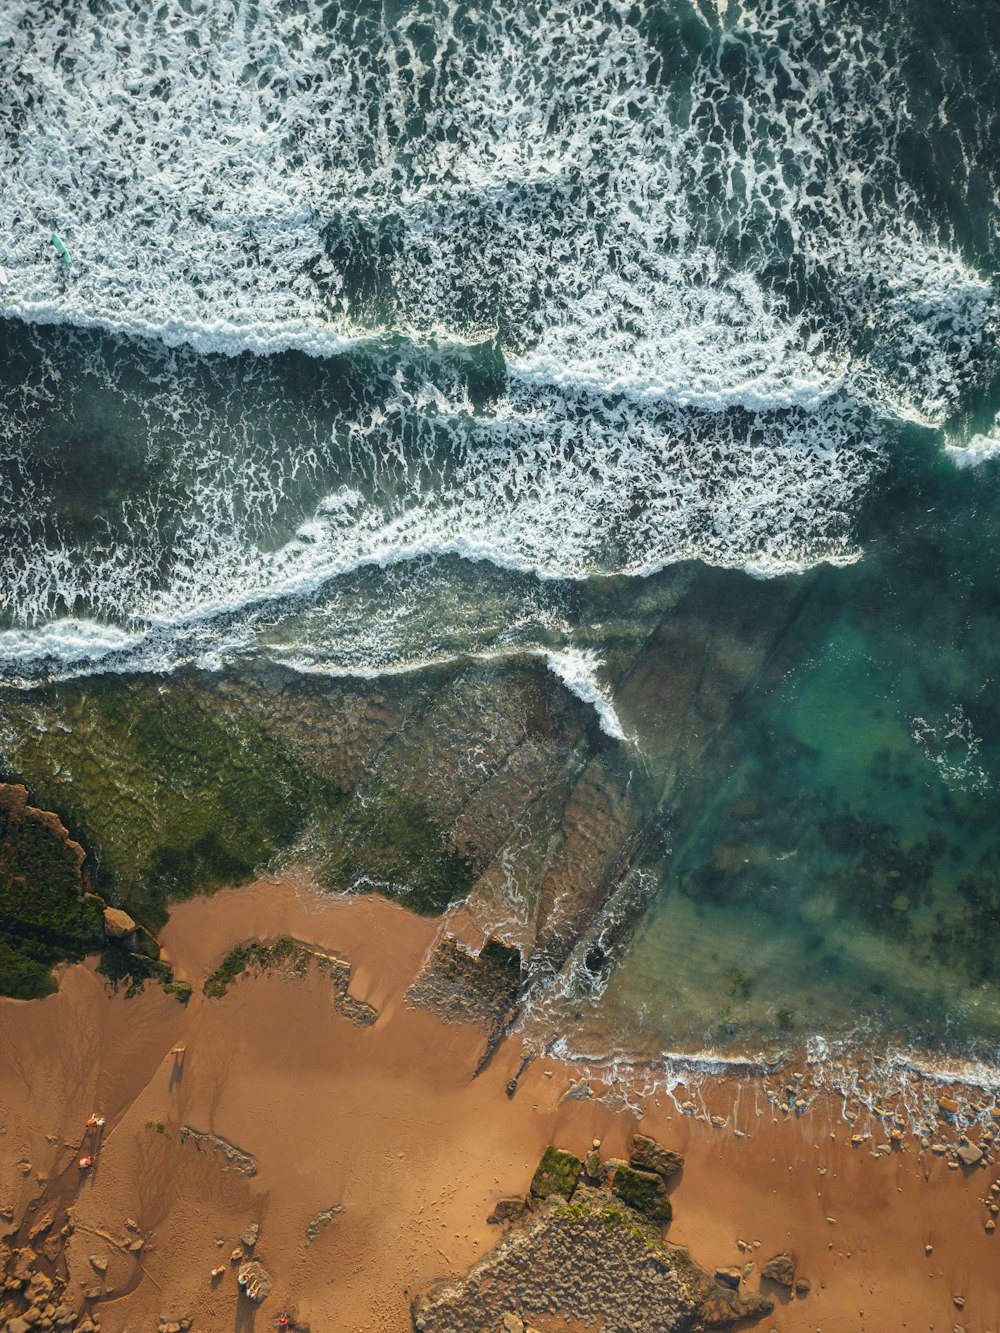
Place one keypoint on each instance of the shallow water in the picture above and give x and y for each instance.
(626, 337)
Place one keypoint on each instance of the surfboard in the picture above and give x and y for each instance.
(61, 250)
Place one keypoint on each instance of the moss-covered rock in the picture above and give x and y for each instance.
(644, 1191)
(558, 1173)
(45, 915)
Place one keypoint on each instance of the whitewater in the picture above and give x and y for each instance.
(591, 289)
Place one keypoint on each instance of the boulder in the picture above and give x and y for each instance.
(780, 1269)
(802, 1287)
(648, 1155)
(506, 1210)
(644, 1191)
(249, 1237)
(118, 925)
(969, 1155)
(558, 1173)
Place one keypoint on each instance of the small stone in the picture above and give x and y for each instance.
(728, 1277)
(969, 1155)
(928, 1249)
(137, 1246)
(948, 1106)
(236, 1256)
(802, 1287)
(959, 1302)
(99, 1262)
(513, 1323)
(990, 1225)
(249, 1237)
(131, 1224)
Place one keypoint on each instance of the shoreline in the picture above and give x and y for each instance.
(387, 1123)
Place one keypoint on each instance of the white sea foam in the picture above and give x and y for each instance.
(577, 669)
(258, 177)
(981, 448)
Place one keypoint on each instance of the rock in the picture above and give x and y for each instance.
(558, 1173)
(86, 1326)
(236, 1256)
(99, 1263)
(64, 1315)
(648, 1155)
(249, 1237)
(506, 1210)
(644, 1191)
(137, 1246)
(969, 1155)
(255, 1281)
(118, 925)
(593, 1168)
(131, 1224)
(780, 1269)
(513, 1323)
(18, 1325)
(948, 1106)
(40, 1228)
(728, 1277)
(802, 1287)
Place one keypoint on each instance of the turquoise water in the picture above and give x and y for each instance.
(654, 342)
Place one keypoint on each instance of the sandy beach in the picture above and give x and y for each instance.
(370, 1157)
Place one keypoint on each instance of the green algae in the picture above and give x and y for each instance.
(557, 1173)
(386, 840)
(644, 1191)
(252, 956)
(175, 793)
(45, 916)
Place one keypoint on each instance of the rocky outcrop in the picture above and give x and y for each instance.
(461, 986)
(590, 1262)
(291, 958)
(233, 1158)
(46, 916)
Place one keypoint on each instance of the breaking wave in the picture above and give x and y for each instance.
(592, 288)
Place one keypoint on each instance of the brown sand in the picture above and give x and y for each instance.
(387, 1122)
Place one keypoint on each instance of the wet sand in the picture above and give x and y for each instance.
(387, 1123)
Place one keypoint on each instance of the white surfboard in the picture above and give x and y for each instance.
(3, 276)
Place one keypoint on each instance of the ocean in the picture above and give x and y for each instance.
(407, 339)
